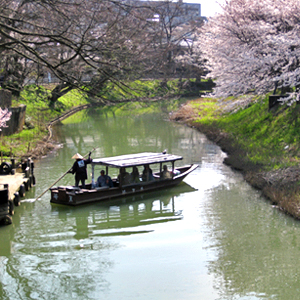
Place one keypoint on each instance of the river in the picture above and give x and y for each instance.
(211, 237)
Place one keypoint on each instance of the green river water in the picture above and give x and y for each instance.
(211, 237)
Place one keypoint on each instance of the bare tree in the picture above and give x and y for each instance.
(85, 44)
(75, 40)
(175, 25)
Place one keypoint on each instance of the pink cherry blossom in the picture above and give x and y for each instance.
(253, 46)
(4, 117)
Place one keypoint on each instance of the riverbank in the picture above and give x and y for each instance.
(47, 143)
(35, 140)
(261, 144)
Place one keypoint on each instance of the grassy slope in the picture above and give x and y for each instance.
(268, 138)
(263, 144)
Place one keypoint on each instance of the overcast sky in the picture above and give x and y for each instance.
(208, 7)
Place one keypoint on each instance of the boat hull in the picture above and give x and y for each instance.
(72, 196)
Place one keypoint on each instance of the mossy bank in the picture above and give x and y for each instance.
(263, 144)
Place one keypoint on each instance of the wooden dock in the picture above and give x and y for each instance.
(13, 185)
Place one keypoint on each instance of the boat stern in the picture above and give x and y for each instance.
(63, 195)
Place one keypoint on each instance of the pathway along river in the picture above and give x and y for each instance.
(212, 237)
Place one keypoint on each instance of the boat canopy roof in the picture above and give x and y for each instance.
(138, 159)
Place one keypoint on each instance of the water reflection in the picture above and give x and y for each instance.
(125, 216)
(68, 254)
(256, 249)
(8, 232)
(129, 134)
(212, 237)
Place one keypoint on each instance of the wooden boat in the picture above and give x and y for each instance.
(70, 195)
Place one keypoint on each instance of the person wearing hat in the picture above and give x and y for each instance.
(79, 169)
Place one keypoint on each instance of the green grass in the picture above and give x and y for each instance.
(139, 88)
(71, 99)
(38, 115)
(271, 138)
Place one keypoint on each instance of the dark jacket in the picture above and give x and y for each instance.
(79, 167)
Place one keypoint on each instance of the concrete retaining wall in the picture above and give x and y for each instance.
(18, 114)
(16, 122)
(5, 99)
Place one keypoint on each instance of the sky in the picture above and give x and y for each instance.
(208, 7)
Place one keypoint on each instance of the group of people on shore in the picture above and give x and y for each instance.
(79, 168)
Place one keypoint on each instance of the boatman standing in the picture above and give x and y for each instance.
(79, 168)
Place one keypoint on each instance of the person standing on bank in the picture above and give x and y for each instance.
(79, 168)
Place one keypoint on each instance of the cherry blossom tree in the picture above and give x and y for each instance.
(4, 117)
(254, 46)
(193, 59)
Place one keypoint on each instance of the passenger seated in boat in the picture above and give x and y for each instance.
(123, 177)
(135, 175)
(165, 173)
(104, 180)
(147, 174)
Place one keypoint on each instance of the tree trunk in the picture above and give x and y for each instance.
(60, 90)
